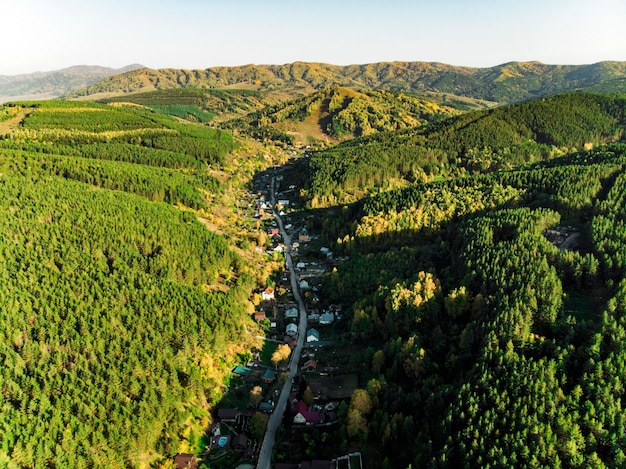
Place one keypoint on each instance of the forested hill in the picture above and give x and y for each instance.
(120, 313)
(490, 312)
(506, 83)
(479, 141)
(337, 113)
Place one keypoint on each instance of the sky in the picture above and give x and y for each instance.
(45, 35)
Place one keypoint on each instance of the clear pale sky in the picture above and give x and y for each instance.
(43, 35)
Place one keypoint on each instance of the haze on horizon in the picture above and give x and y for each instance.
(192, 34)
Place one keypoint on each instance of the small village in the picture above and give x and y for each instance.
(324, 379)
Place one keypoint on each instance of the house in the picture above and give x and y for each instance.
(304, 285)
(227, 415)
(309, 366)
(316, 464)
(273, 231)
(266, 407)
(268, 376)
(259, 316)
(317, 269)
(240, 442)
(308, 418)
(291, 313)
(291, 330)
(241, 370)
(303, 236)
(327, 318)
(314, 315)
(299, 406)
(300, 265)
(283, 202)
(185, 461)
(268, 294)
(312, 335)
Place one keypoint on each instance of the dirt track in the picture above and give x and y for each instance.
(13, 122)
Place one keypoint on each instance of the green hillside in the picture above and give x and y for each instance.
(485, 344)
(199, 105)
(337, 113)
(479, 141)
(506, 83)
(121, 314)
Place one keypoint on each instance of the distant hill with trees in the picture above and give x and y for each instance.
(501, 84)
(47, 85)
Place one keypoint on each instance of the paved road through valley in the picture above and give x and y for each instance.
(265, 454)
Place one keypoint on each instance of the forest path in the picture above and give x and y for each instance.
(13, 122)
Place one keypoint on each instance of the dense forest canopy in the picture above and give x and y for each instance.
(488, 345)
(120, 314)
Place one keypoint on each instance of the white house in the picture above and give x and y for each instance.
(304, 285)
(268, 294)
(292, 330)
(291, 313)
(312, 335)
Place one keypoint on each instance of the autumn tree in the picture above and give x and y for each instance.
(256, 396)
(281, 354)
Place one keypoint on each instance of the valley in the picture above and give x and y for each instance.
(327, 269)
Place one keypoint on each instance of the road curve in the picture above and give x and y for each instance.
(265, 453)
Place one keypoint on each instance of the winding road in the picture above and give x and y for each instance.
(265, 453)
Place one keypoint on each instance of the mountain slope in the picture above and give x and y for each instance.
(46, 85)
(511, 82)
(490, 140)
(486, 342)
(338, 113)
(121, 313)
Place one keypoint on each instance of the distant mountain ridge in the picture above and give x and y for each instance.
(502, 84)
(46, 85)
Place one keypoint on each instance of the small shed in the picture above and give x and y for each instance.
(185, 461)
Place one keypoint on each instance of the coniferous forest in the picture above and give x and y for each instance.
(483, 277)
(119, 313)
(488, 345)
